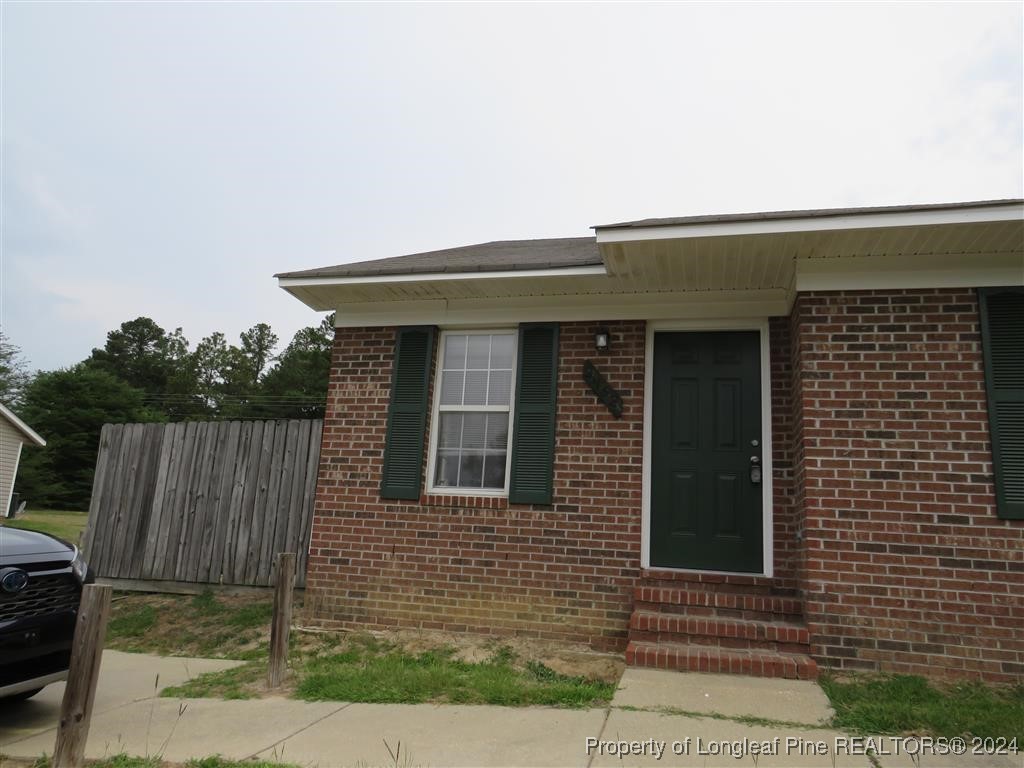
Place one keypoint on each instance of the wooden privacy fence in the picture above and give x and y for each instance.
(203, 502)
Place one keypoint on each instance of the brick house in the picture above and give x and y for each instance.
(753, 443)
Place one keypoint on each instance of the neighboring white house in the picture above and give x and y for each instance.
(13, 434)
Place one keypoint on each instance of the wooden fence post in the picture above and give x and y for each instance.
(80, 691)
(282, 622)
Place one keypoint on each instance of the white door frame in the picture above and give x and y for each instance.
(756, 324)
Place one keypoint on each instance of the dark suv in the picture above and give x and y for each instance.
(41, 580)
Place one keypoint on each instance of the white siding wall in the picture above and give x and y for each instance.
(10, 451)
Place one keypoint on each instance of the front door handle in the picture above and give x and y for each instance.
(755, 470)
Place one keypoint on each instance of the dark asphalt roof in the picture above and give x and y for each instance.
(504, 255)
(516, 255)
(813, 213)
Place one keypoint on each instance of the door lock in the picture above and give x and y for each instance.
(755, 470)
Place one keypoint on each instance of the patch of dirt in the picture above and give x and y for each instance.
(213, 626)
(573, 660)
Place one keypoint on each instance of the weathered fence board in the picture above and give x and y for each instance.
(202, 502)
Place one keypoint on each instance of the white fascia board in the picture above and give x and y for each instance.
(489, 312)
(21, 426)
(993, 213)
(425, 277)
(909, 271)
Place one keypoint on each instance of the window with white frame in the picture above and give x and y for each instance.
(473, 406)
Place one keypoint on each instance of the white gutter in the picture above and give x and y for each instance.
(421, 277)
(988, 213)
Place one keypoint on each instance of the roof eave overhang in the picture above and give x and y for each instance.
(324, 293)
(965, 215)
(757, 264)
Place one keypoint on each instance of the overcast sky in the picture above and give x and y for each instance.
(167, 159)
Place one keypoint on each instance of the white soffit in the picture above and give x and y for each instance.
(581, 306)
(327, 293)
(918, 255)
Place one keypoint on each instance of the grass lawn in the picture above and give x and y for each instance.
(182, 625)
(363, 668)
(61, 523)
(375, 673)
(413, 668)
(344, 666)
(907, 704)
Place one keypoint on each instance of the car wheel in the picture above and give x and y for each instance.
(19, 696)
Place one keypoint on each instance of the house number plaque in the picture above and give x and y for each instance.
(604, 391)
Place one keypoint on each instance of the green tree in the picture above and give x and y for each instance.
(211, 362)
(13, 372)
(296, 386)
(238, 388)
(68, 407)
(257, 350)
(224, 378)
(147, 357)
(142, 354)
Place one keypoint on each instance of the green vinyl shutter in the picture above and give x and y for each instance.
(1002, 338)
(533, 435)
(407, 415)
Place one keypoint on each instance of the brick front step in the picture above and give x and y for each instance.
(687, 657)
(722, 604)
(653, 626)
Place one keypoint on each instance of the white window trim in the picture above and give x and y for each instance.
(435, 415)
(767, 494)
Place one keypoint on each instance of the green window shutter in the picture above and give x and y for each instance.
(407, 415)
(1002, 338)
(533, 435)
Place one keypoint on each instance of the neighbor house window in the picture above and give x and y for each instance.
(473, 397)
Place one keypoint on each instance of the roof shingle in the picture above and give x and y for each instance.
(504, 255)
(554, 253)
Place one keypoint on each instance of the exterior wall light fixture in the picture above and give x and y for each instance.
(602, 340)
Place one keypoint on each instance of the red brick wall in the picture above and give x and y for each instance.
(907, 566)
(479, 564)
(784, 511)
(884, 511)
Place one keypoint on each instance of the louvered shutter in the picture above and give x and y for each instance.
(533, 436)
(1002, 336)
(407, 415)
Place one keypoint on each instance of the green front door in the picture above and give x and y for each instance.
(706, 452)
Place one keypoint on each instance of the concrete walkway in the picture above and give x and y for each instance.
(659, 718)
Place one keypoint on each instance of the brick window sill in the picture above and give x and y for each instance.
(470, 502)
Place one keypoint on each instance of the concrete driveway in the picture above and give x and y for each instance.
(28, 728)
